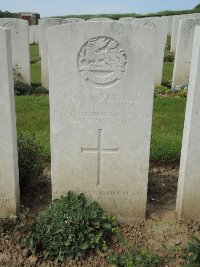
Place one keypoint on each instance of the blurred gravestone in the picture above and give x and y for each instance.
(9, 180)
(184, 51)
(188, 195)
(20, 45)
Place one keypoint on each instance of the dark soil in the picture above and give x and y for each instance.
(161, 232)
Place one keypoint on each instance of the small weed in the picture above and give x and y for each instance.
(31, 161)
(193, 253)
(140, 257)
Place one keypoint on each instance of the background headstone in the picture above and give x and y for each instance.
(43, 44)
(100, 19)
(175, 27)
(9, 180)
(101, 112)
(183, 55)
(161, 26)
(33, 34)
(126, 19)
(170, 23)
(20, 45)
(70, 20)
(188, 196)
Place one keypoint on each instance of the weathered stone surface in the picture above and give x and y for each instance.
(43, 25)
(70, 20)
(188, 196)
(170, 23)
(34, 34)
(100, 19)
(20, 45)
(126, 19)
(161, 26)
(175, 27)
(9, 180)
(101, 97)
(184, 51)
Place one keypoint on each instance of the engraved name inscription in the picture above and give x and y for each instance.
(4, 198)
(100, 108)
(102, 62)
(4, 115)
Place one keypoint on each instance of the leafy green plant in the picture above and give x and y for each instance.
(163, 90)
(139, 258)
(197, 6)
(194, 253)
(17, 73)
(40, 90)
(169, 56)
(30, 160)
(69, 228)
(22, 88)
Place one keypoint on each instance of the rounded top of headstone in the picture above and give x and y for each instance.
(100, 19)
(71, 20)
(126, 19)
(9, 22)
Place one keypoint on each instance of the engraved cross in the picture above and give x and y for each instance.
(100, 150)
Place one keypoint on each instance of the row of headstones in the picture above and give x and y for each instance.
(22, 35)
(101, 100)
(181, 45)
(160, 23)
(182, 38)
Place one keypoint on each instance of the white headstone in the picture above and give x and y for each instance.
(100, 19)
(70, 20)
(126, 19)
(188, 196)
(9, 180)
(43, 25)
(33, 34)
(184, 51)
(170, 23)
(175, 27)
(20, 45)
(161, 26)
(101, 98)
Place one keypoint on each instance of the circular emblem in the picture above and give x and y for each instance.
(102, 62)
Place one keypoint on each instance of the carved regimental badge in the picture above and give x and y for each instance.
(102, 62)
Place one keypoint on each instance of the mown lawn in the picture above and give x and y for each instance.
(167, 128)
(35, 65)
(33, 117)
(167, 71)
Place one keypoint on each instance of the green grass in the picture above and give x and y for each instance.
(167, 71)
(34, 53)
(35, 65)
(33, 117)
(36, 74)
(168, 117)
(167, 129)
